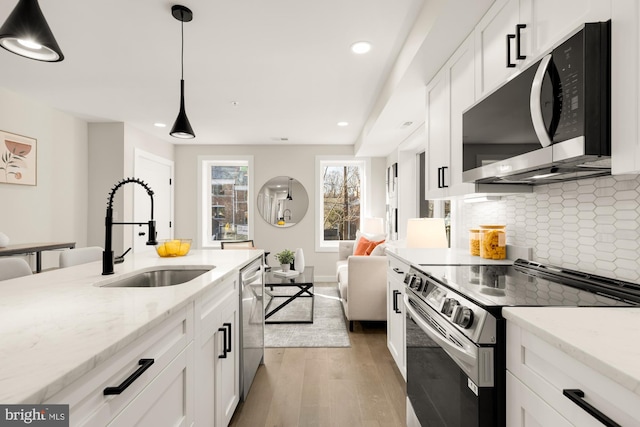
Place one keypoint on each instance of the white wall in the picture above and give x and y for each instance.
(111, 158)
(56, 208)
(270, 161)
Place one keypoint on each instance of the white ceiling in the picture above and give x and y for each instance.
(286, 62)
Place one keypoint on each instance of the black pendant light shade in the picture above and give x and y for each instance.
(182, 128)
(26, 33)
(290, 190)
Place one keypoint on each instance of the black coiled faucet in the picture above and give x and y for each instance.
(107, 255)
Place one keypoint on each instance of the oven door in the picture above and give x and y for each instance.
(450, 380)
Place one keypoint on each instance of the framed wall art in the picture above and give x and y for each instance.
(18, 159)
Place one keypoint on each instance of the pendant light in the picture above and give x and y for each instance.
(26, 33)
(182, 128)
(289, 190)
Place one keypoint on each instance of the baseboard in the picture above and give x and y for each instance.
(324, 278)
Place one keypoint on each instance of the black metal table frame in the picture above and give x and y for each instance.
(304, 292)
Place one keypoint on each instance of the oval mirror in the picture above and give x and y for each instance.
(283, 201)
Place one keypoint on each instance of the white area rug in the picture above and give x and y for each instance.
(327, 330)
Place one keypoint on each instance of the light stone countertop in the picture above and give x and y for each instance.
(442, 256)
(58, 325)
(604, 339)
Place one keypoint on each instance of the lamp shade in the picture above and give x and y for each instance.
(26, 33)
(373, 225)
(426, 233)
(182, 128)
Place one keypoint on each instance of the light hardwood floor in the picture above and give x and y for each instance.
(351, 387)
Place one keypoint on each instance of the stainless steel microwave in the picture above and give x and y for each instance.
(551, 122)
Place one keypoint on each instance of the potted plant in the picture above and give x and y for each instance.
(285, 258)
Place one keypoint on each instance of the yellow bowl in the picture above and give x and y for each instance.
(175, 247)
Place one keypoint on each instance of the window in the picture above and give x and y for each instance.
(341, 200)
(226, 211)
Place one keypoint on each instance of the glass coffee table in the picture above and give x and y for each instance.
(290, 299)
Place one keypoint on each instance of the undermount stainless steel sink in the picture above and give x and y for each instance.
(159, 277)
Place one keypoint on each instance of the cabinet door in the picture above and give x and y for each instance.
(217, 355)
(526, 409)
(461, 96)
(491, 46)
(550, 21)
(395, 312)
(437, 127)
(228, 369)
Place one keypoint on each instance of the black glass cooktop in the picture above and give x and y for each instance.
(531, 284)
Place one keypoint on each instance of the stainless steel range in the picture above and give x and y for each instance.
(456, 334)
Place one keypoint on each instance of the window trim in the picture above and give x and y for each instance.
(204, 164)
(322, 245)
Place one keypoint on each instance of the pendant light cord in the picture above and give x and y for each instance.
(182, 46)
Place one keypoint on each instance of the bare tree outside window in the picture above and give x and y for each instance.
(229, 207)
(342, 187)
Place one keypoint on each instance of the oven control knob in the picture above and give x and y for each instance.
(463, 316)
(417, 283)
(407, 278)
(448, 306)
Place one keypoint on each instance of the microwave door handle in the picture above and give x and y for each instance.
(468, 359)
(535, 103)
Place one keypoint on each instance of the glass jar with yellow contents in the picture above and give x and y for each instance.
(474, 241)
(493, 241)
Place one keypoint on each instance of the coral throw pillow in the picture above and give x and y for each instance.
(366, 246)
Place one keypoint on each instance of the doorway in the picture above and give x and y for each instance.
(158, 173)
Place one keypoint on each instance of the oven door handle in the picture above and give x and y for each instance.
(467, 358)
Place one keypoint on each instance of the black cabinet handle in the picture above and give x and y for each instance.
(439, 177)
(576, 396)
(144, 365)
(519, 28)
(509, 63)
(228, 325)
(395, 301)
(397, 270)
(443, 181)
(224, 346)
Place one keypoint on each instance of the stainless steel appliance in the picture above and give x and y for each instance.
(455, 335)
(552, 122)
(252, 321)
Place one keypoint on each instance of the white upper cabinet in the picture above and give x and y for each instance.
(461, 96)
(514, 33)
(437, 128)
(625, 87)
(495, 46)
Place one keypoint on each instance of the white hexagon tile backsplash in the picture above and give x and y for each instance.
(591, 225)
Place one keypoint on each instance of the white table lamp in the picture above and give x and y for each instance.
(373, 226)
(426, 233)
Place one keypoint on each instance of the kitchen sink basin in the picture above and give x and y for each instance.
(158, 278)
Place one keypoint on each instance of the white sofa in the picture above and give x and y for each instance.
(362, 281)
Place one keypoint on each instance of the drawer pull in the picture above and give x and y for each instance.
(577, 397)
(397, 270)
(144, 365)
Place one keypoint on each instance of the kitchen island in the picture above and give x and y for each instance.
(57, 326)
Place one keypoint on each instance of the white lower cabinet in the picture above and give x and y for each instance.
(396, 270)
(539, 375)
(161, 395)
(217, 355)
(193, 379)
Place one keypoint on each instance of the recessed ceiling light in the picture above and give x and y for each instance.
(361, 47)
(343, 124)
(160, 125)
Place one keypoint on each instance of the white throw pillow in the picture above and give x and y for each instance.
(378, 250)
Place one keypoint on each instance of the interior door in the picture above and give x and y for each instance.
(158, 173)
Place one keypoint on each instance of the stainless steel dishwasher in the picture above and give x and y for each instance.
(252, 321)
